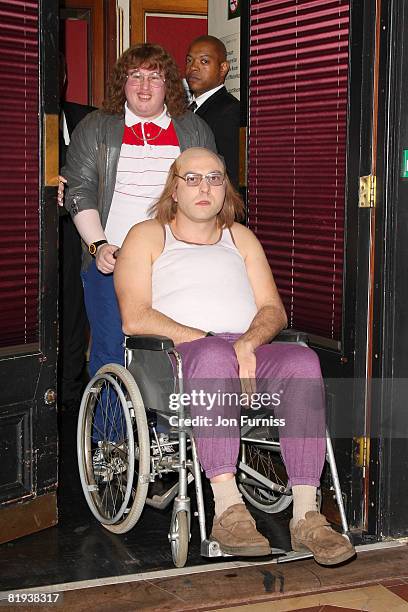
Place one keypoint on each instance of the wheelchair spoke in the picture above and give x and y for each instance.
(111, 423)
(110, 413)
(268, 463)
(110, 458)
(263, 464)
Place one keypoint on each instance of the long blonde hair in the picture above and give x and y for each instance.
(164, 210)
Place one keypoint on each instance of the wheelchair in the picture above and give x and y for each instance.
(132, 445)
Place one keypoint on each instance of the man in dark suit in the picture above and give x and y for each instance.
(206, 70)
(73, 327)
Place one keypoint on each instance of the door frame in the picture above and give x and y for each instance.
(388, 486)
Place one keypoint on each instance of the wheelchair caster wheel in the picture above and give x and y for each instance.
(179, 537)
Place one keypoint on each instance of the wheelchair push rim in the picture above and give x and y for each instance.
(107, 467)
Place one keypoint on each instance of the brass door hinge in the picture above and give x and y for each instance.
(366, 197)
(362, 451)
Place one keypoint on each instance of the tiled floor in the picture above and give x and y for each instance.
(376, 598)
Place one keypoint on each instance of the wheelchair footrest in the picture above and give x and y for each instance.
(293, 556)
(211, 548)
(277, 552)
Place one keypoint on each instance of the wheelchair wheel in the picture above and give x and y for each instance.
(179, 537)
(266, 460)
(113, 448)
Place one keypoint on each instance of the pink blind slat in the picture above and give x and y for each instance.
(299, 53)
(19, 173)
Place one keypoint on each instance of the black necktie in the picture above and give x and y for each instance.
(192, 107)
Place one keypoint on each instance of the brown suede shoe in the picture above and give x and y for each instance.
(236, 533)
(314, 533)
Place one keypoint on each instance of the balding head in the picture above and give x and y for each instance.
(195, 158)
(197, 161)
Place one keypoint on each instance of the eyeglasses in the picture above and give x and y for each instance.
(154, 78)
(214, 179)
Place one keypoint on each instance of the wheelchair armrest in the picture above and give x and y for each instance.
(149, 343)
(291, 335)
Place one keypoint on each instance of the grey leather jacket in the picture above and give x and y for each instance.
(93, 155)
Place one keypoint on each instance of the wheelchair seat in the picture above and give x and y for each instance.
(148, 360)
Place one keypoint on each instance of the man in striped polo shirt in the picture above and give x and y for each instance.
(116, 167)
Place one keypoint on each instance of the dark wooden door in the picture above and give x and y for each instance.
(28, 276)
(310, 92)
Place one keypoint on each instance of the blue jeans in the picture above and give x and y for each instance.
(104, 319)
(106, 340)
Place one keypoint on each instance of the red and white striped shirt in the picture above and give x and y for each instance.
(148, 150)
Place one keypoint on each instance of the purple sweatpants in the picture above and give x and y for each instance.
(289, 378)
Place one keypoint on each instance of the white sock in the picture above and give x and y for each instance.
(304, 500)
(226, 494)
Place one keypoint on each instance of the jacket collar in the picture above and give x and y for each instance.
(204, 97)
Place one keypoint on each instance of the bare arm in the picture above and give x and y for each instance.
(133, 285)
(271, 317)
(88, 224)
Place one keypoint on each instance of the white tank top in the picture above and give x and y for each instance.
(203, 285)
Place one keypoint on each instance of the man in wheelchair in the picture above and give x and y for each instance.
(196, 276)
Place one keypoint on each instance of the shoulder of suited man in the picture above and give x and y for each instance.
(74, 113)
(223, 99)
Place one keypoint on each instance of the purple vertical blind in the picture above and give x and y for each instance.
(299, 53)
(19, 173)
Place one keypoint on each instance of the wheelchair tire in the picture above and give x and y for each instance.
(268, 462)
(179, 538)
(114, 492)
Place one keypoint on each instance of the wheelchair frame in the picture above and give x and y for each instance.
(113, 473)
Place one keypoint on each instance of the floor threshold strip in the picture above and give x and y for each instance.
(185, 571)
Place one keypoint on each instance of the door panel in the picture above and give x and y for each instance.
(76, 35)
(169, 31)
(15, 425)
(96, 52)
(169, 23)
(28, 420)
(139, 8)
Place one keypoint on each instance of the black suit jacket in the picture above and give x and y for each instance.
(74, 113)
(221, 112)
